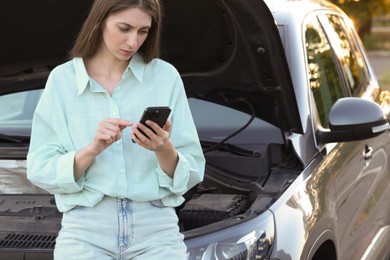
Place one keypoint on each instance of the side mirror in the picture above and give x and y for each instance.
(354, 119)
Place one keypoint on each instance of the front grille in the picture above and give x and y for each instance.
(28, 241)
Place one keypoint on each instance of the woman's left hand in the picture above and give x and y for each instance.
(158, 142)
(155, 141)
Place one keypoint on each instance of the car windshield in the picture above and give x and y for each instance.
(215, 122)
(17, 111)
(19, 106)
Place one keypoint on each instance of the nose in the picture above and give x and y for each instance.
(132, 40)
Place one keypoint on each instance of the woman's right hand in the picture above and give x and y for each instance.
(109, 131)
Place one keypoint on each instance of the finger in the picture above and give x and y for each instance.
(121, 122)
(111, 127)
(108, 133)
(110, 136)
(156, 128)
(106, 129)
(134, 137)
(146, 129)
(107, 138)
(142, 132)
(167, 126)
(118, 136)
(137, 138)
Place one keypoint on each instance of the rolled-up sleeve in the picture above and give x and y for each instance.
(185, 169)
(49, 162)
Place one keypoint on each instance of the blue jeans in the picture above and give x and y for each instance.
(120, 229)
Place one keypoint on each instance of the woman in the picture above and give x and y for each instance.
(117, 196)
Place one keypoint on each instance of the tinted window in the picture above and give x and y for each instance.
(325, 82)
(357, 46)
(341, 44)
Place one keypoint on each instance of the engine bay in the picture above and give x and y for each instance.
(29, 218)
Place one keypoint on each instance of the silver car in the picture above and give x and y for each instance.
(292, 121)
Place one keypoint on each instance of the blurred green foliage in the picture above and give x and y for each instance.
(363, 11)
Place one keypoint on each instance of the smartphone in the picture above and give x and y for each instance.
(159, 115)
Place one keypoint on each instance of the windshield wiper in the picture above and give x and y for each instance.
(229, 148)
(223, 143)
(14, 139)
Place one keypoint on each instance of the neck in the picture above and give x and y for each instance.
(105, 66)
(106, 70)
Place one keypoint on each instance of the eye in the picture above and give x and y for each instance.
(123, 29)
(144, 31)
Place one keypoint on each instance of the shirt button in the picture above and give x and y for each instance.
(121, 170)
(114, 113)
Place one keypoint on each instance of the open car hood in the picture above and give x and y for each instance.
(38, 33)
(228, 51)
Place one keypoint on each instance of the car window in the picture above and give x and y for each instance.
(345, 52)
(325, 82)
(358, 48)
(19, 106)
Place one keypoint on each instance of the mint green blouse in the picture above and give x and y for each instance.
(66, 120)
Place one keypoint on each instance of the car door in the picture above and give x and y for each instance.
(360, 169)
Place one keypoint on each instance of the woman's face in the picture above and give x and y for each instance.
(124, 32)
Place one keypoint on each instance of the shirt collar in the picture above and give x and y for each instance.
(82, 77)
(136, 66)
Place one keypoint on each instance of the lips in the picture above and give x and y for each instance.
(126, 53)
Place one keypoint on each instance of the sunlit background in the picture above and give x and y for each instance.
(371, 19)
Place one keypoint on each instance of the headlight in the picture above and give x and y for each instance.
(249, 240)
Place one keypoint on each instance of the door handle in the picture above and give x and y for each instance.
(367, 153)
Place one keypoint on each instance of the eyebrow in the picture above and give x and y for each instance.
(129, 25)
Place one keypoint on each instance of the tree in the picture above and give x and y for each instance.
(362, 12)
